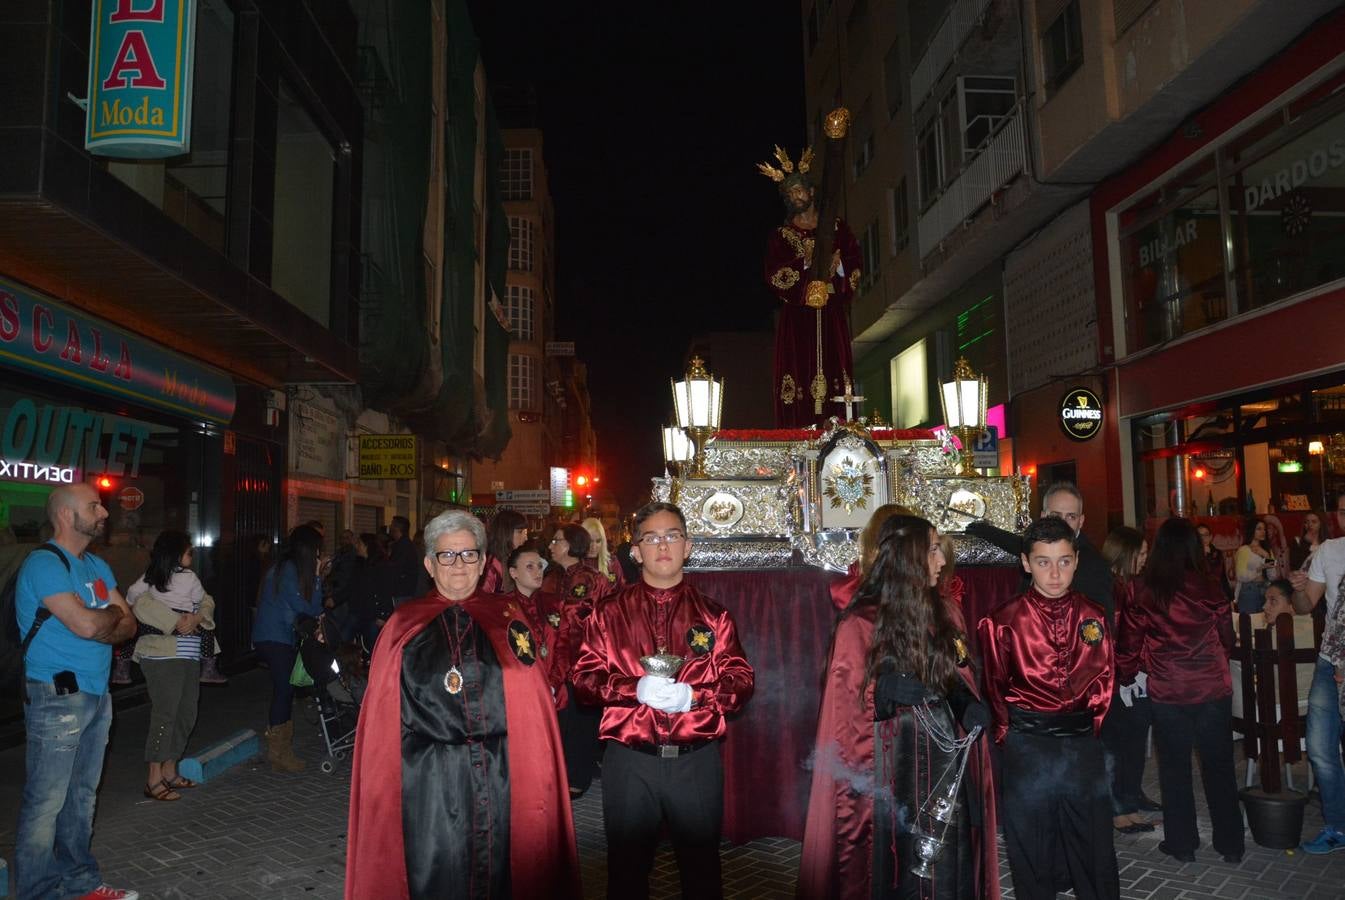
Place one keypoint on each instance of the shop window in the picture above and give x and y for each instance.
(1172, 260)
(305, 183)
(1287, 234)
(191, 189)
(147, 473)
(516, 173)
(1062, 46)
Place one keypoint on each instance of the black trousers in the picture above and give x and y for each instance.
(641, 794)
(579, 740)
(1208, 728)
(1057, 817)
(1125, 732)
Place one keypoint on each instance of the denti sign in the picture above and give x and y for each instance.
(1080, 414)
(141, 55)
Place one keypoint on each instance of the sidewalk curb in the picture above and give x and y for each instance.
(218, 758)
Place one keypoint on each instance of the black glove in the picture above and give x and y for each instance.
(896, 689)
(975, 713)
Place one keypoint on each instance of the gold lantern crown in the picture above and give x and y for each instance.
(786, 167)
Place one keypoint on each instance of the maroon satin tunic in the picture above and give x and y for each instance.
(1184, 650)
(639, 621)
(1048, 656)
(546, 613)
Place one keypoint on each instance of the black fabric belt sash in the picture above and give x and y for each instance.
(1028, 721)
(669, 751)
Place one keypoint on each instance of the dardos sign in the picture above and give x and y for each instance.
(1080, 414)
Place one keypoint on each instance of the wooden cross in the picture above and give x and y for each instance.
(849, 398)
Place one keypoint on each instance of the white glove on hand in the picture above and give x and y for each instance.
(650, 688)
(1127, 694)
(1141, 685)
(675, 698)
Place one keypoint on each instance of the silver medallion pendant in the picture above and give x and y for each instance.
(453, 680)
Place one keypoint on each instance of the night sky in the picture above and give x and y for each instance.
(654, 117)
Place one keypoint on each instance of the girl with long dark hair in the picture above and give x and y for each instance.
(897, 703)
(289, 590)
(170, 600)
(1126, 727)
(1253, 561)
(507, 531)
(1175, 626)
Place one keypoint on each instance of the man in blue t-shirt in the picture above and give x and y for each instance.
(66, 705)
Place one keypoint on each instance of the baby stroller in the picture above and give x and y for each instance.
(339, 678)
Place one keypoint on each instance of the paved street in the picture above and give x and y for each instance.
(251, 833)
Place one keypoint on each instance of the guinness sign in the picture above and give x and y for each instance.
(1081, 414)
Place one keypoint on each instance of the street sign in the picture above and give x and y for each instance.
(387, 456)
(527, 509)
(522, 497)
(986, 449)
(131, 498)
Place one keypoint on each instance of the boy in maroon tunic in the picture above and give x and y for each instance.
(1049, 669)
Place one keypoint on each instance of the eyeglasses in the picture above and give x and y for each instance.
(652, 540)
(449, 558)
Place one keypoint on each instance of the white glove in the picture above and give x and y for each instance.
(673, 698)
(1141, 685)
(650, 688)
(1127, 693)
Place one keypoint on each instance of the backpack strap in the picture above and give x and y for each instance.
(42, 614)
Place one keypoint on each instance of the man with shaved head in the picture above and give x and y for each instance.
(70, 614)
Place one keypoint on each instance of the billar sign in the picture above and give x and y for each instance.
(141, 56)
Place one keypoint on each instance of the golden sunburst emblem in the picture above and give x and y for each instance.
(849, 485)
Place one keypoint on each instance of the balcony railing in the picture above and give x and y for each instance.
(995, 166)
(957, 24)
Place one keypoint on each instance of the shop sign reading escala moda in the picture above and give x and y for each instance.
(40, 336)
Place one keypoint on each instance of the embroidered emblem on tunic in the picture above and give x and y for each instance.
(1091, 632)
(700, 639)
(960, 649)
(579, 590)
(520, 641)
(554, 619)
(785, 278)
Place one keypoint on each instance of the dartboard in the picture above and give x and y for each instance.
(1296, 214)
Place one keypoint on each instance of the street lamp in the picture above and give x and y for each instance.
(697, 400)
(964, 400)
(676, 451)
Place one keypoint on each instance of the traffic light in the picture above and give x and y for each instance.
(581, 480)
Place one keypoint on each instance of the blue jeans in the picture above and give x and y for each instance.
(66, 739)
(1324, 743)
(279, 659)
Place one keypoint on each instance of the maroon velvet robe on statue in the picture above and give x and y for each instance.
(543, 859)
(836, 860)
(788, 255)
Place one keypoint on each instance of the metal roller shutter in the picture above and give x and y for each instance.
(328, 512)
(366, 519)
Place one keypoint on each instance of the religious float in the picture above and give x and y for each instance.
(770, 499)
